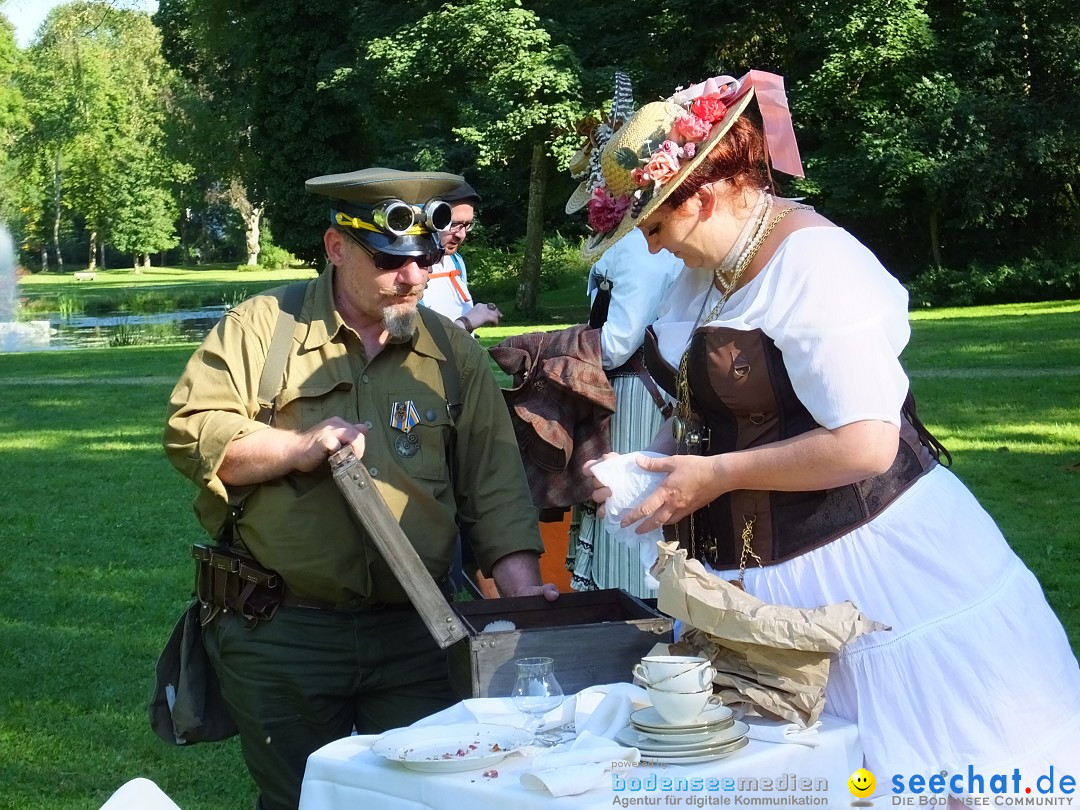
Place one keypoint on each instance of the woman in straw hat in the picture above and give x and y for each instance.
(796, 462)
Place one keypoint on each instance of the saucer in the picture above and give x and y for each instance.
(649, 719)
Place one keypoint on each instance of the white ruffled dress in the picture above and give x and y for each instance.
(977, 670)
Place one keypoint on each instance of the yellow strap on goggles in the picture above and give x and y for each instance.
(355, 222)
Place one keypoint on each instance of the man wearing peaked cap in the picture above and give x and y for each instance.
(355, 195)
(342, 648)
(448, 286)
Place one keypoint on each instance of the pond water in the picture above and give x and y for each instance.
(125, 329)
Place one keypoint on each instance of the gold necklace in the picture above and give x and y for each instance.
(684, 426)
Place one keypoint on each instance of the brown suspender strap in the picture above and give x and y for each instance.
(643, 374)
(277, 355)
(448, 369)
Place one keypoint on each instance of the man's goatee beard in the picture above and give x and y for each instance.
(400, 321)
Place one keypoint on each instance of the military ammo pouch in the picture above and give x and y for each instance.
(228, 580)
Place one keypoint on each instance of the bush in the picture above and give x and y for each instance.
(1032, 280)
(273, 257)
(493, 271)
(247, 268)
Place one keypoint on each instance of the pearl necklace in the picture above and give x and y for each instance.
(751, 231)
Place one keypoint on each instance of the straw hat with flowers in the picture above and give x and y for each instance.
(650, 155)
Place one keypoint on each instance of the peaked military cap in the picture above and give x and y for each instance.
(462, 194)
(357, 198)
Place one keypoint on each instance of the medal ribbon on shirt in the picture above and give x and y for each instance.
(403, 416)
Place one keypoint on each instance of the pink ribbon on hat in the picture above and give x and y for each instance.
(775, 114)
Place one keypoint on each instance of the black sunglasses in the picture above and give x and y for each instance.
(392, 261)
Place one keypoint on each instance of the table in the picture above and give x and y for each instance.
(345, 775)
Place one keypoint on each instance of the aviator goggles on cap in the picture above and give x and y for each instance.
(393, 261)
(397, 217)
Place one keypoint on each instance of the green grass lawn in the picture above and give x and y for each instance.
(96, 535)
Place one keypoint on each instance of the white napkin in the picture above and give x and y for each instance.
(630, 485)
(780, 732)
(604, 711)
(579, 766)
(501, 711)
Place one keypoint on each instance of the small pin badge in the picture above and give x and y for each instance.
(407, 445)
(403, 416)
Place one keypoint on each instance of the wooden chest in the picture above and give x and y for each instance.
(595, 637)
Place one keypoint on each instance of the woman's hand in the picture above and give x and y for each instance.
(691, 483)
(817, 459)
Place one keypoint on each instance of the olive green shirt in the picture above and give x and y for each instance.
(300, 525)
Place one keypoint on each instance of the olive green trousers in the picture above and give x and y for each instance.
(308, 677)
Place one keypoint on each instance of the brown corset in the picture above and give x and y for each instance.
(742, 395)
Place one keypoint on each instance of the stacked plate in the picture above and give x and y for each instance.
(713, 734)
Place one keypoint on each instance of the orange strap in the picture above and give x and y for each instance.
(454, 275)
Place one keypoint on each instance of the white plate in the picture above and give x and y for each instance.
(697, 735)
(657, 745)
(706, 755)
(649, 719)
(445, 749)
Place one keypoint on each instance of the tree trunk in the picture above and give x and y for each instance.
(529, 279)
(91, 264)
(101, 251)
(251, 233)
(56, 218)
(935, 241)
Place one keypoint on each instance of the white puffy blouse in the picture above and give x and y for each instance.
(837, 315)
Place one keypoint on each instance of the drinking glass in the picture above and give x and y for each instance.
(536, 692)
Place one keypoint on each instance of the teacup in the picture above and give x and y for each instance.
(682, 708)
(675, 673)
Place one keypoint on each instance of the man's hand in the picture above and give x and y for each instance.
(271, 453)
(518, 574)
(484, 315)
(321, 441)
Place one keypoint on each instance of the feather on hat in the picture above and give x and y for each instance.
(585, 165)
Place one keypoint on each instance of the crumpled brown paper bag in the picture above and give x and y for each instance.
(771, 659)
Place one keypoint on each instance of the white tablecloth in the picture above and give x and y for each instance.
(345, 775)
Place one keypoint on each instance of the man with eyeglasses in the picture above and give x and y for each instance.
(447, 289)
(364, 368)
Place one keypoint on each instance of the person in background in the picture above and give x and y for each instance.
(345, 649)
(447, 290)
(797, 465)
(626, 287)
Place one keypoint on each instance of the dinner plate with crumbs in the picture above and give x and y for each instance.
(446, 749)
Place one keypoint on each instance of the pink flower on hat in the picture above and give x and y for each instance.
(709, 108)
(662, 165)
(690, 128)
(605, 211)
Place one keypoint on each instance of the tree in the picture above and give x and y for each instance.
(12, 117)
(515, 94)
(97, 90)
(269, 77)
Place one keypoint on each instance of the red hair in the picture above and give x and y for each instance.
(739, 158)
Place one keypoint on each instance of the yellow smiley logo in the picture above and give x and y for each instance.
(861, 783)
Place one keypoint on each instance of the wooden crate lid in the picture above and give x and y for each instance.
(368, 505)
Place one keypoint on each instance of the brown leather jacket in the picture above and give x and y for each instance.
(560, 404)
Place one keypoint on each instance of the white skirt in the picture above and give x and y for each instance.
(976, 671)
